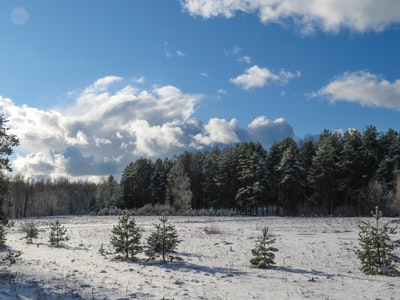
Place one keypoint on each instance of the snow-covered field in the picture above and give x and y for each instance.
(316, 260)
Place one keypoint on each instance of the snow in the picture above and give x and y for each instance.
(316, 260)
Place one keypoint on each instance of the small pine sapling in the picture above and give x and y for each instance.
(264, 253)
(376, 253)
(126, 237)
(31, 232)
(163, 241)
(58, 234)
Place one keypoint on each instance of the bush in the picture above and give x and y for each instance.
(155, 210)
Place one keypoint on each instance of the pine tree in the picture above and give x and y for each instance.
(7, 143)
(31, 232)
(126, 237)
(376, 253)
(3, 232)
(58, 234)
(264, 253)
(163, 241)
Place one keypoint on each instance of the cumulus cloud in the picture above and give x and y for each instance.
(364, 88)
(114, 122)
(257, 77)
(307, 15)
(267, 132)
(218, 131)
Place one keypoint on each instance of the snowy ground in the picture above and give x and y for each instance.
(316, 260)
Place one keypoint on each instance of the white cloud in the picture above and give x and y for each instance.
(308, 15)
(112, 123)
(41, 164)
(266, 131)
(256, 77)
(236, 53)
(218, 131)
(364, 88)
(245, 58)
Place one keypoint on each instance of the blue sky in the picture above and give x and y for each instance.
(89, 86)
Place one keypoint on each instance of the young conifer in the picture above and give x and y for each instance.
(31, 232)
(376, 253)
(264, 253)
(163, 241)
(126, 237)
(58, 234)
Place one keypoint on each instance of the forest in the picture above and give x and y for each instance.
(341, 173)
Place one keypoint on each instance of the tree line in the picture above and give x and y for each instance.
(338, 173)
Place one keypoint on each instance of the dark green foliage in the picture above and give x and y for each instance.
(263, 252)
(58, 234)
(31, 232)
(376, 253)
(108, 194)
(3, 232)
(135, 184)
(126, 237)
(329, 175)
(7, 143)
(163, 241)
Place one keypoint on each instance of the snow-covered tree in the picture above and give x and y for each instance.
(58, 234)
(163, 241)
(179, 190)
(290, 185)
(7, 143)
(263, 252)
(2, 235)
(126, 237)
(107, 193)
(376, 253)
(31, 232)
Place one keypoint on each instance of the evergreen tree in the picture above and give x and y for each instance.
(291, 183)
(126, 237)
(263, 252)
(325, 170)
(31, 232)
(135, 183)
(163, 241)
(107, 194)
(7, 143)
(227, 178)
(376, 253)
(58, 234)
(3, 232)
(252, 172)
